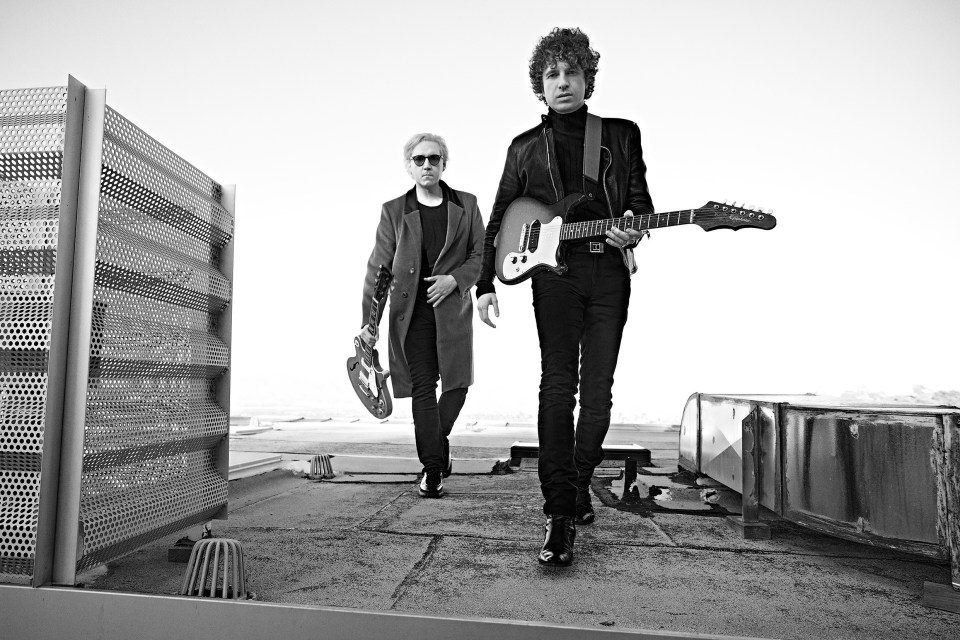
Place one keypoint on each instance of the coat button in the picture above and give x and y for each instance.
(412, 269)
(405, 295)
(401, 316)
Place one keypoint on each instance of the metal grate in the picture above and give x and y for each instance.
(32, 127)
(144, 454)
(153, 424)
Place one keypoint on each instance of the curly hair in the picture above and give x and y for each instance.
(563, 45)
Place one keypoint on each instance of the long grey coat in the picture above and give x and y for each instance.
(398, 245)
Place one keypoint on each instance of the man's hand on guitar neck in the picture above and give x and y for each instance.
(631, 237)
(483, 307)
(368, 336)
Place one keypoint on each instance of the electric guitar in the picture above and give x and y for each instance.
(368, 378)
(532, 233)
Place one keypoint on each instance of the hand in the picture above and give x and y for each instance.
(483, 307)
(368, 336)
(442, 287)
(620, 239)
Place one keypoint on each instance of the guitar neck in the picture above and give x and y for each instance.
(374, 323)
(374, 319)
(598, 228)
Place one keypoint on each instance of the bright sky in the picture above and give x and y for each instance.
(841, 116)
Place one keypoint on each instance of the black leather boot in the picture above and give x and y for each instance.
(431, 486)
(560, 532)
(448, 469)
(585, 514)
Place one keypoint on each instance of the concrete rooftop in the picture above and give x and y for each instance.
(366, 540)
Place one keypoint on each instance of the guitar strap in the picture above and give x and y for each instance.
(591, 150)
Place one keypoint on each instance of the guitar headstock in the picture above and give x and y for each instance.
(383, 281)
(716, 215)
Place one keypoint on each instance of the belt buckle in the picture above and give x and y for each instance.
(596, 247)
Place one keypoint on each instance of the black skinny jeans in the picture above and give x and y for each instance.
(432, 419)
(580, 319)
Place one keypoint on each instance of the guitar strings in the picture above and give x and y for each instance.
(591, 228)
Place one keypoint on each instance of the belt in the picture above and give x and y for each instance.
(587, 247)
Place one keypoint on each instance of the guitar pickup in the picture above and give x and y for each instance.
(524, 234)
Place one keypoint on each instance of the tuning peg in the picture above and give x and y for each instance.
(749, 206)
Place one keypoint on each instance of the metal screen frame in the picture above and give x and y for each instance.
(116, 268)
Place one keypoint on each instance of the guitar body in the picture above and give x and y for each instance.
(529, 238)
(367, 377)
(370, 381)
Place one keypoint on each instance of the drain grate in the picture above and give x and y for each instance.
(321, 468)
(215, 565)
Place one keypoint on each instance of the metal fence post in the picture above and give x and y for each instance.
(78, 358)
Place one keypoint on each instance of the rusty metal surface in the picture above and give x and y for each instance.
(862, 471)
(867, 471)
(946, 461)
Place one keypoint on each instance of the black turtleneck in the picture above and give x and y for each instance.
(568, 135)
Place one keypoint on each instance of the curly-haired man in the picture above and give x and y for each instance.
(580, 314)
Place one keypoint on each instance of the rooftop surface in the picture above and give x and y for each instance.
(660, 555)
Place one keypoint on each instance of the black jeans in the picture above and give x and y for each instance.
(432, 419)
(580, 319)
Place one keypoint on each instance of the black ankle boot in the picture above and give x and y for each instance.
(560, 533)
(448, 468)
(431, 486)
(585, 514)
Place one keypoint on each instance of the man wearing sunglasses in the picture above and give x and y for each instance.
(581, 314)
(432, 239)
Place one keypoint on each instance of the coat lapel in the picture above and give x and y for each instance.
(454, 219)
(411, 221)
(455, 215)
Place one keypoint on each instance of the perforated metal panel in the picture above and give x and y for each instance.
(32, 125)
(153, 425)
(114, 388)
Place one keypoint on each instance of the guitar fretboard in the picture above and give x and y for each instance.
(374, 321)
(595, 228)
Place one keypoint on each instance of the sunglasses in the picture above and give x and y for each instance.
(434, 160)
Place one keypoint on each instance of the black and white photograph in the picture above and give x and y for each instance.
(611, 319)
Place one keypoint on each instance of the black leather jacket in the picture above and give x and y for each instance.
(531, 170)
